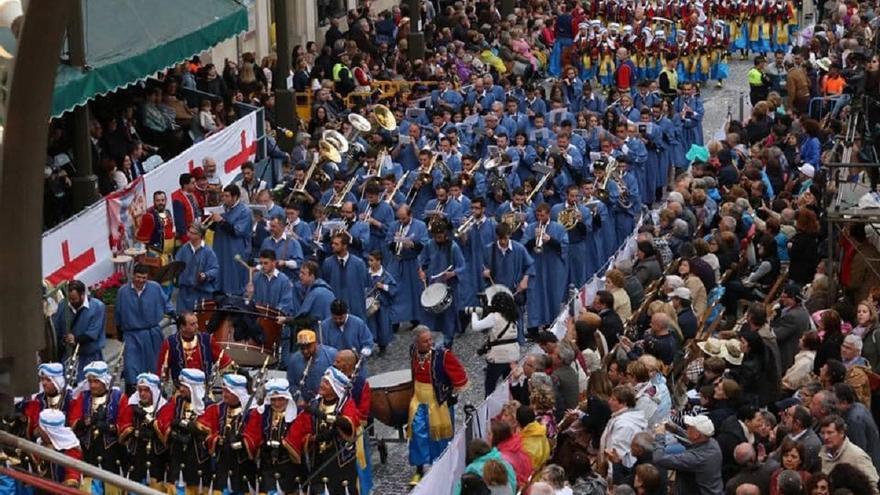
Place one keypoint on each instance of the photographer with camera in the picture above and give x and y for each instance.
(501, 349)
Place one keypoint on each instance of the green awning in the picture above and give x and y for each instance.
(129, 40)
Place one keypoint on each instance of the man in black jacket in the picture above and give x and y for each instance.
(612, 325)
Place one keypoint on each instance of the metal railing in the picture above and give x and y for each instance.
(86, 469)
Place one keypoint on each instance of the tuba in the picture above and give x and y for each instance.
(384, 117)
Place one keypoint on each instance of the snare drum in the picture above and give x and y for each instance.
(373, 305)
(436, 298)
(390, 395)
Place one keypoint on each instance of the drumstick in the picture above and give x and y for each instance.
(250, 270)
(450, 267)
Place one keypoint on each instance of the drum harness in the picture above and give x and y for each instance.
(489, 344)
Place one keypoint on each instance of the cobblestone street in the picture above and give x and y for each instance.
(392, 478)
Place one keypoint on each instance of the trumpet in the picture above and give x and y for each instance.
(398, 240)
(465, 227)
(539, 238)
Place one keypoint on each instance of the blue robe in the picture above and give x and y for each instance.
(507, 207)
(288, 250)
(676, 144)
(296, 371)
(404, 269)
(646, 100)
(433, 260)
(137, 319)
(384, 214)
(692, 124)
(538, 106)
(88, 330)
(451, 208)
(626, 217)
(275, 291)
(593, 104)
(303, 233)
(408, 156)
(657, 163)
(472, 245)
(360, 238)
(190, 289)
(508, 268)
(233, 237)
(449, 97)
(353, 335)
(328, 195)
(380, 322)
(605, 238)
(348, 283)
(578, 262)
(638, 159)
(419, 198)
(476, 187)
(313, 301)
(484, 98)
(547, 289)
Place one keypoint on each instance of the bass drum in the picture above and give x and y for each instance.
(390, 395)
(436, 298)
(246, 352)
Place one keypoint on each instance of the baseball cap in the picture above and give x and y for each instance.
(701, 423)
(306, 337)
(807, 170)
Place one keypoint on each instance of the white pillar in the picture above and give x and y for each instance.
(303, 25)
(262, 21)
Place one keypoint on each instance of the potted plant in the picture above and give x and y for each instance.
(107, 290)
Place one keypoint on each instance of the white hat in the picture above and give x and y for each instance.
(614, 26)
(700, 29)
(55, 373)
(97, 370)
(824, 63)
(712, 346)
(732, 352)
(674, 282)
(53, 422)
(808, 170)
(583, 25)
(627, 29)
(194, 380)
(595, 23)
(152, 381)
(682, 293)
(660, 33)
(337, 380)
(237, 384)
(701, 423)
(280, 388)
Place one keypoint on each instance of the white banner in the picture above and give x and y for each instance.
(80, 247)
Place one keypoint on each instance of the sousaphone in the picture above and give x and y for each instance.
(384, 117)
